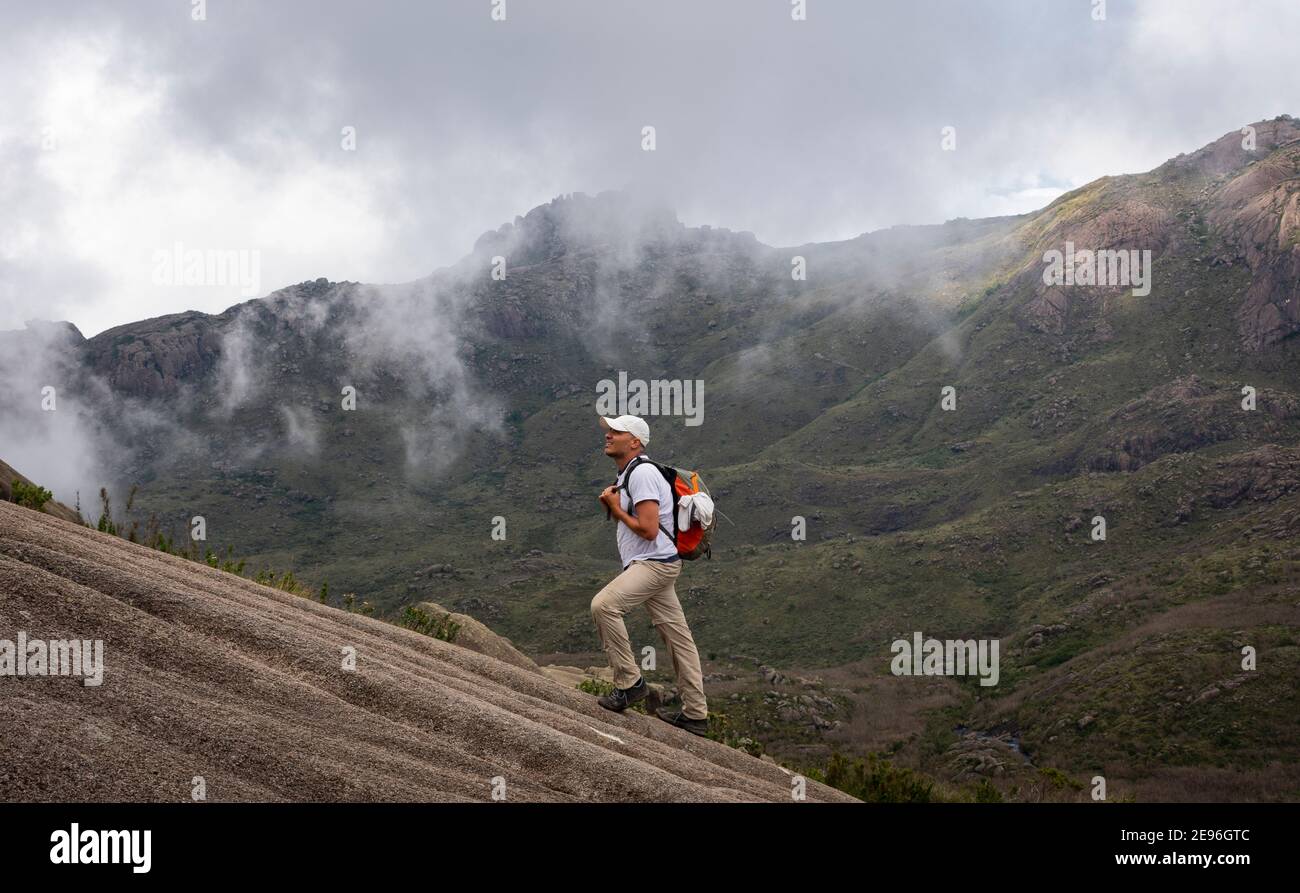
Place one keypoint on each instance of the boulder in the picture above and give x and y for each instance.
(477, 637)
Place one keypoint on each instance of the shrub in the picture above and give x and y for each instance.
(1058, 779)
(421, 621)
(875, 780)
(106, 524)
(721, 730)
(986, 793)
(33, 496)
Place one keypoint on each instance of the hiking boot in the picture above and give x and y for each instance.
(682, 721)
(622, 698)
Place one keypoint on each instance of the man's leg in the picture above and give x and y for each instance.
(667, 616)
(629, 589)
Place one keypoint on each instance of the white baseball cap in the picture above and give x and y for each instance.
(632, 425)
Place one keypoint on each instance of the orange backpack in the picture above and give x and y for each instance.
(693, 541)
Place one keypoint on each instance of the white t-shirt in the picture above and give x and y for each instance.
(646, 483)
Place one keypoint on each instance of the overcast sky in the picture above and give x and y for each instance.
(128, 127)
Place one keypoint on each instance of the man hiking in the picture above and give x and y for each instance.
(650, 568)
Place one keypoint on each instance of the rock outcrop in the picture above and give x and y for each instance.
(476, 636)
(209, 675)
(1236, 199)
(1258, 213)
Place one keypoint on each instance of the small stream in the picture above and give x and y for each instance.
(1012, 743)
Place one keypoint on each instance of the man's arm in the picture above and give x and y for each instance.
(646, 522)
(647, 519)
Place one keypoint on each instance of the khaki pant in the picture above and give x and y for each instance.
(650, 583)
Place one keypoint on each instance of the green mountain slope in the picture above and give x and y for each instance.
(822, 400)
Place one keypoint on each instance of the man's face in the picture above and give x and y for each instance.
(619, 443)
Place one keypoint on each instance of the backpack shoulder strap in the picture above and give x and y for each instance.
(669, 474)
(623, 478)
(627, 472)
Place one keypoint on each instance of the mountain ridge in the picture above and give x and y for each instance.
(822, 403)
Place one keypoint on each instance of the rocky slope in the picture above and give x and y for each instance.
(822, 403)
(209, 675)
(8, 475)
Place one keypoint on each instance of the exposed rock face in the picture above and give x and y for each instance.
(154, 357)
(478, 637)
(1258, 212)
(1227, 153)
(1114, 219)
(1049, 309)
(1266, 474)
(510, 321)
(1183, 415)
(206, 673)
(577, 223)
(1109, 215)
(571, 264)
(1250, 202)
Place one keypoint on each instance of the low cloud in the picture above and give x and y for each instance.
(131, 127)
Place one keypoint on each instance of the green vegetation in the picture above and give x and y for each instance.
(285, 582)
(985, 792)
(350, 605)
(874, 780)
(824, 404)
(721, 730)
(32, 496)
(130, 528)
(1058, 779)
(106, 524)
(421, 621)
